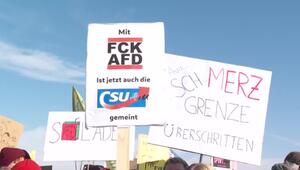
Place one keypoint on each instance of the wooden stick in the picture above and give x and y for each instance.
(123, 148)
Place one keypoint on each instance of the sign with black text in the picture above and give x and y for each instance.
(220, 109)
(67, 139)
(125, 74)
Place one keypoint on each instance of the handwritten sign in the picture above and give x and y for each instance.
(10, 132)
(67, 139)
(220, 109)
(154, 165)
(126, 74)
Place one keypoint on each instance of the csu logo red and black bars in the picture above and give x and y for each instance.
(125, 53)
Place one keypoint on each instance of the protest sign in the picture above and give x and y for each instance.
(220, 109)
(222, 164)
(151, 157)
(125, 74)
(10, 132)
(67, 139)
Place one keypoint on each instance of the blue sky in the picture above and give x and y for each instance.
(43, 51)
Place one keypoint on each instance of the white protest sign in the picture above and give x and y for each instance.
(124, 74)
(67, 139)
(220, 109)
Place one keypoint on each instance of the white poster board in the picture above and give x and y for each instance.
(220, 109)
(124, 74)
(67, 139)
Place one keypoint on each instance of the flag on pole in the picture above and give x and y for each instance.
(78, 104)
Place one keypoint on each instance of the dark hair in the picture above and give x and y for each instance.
(293, 157)
(279, 166)
(176, 160)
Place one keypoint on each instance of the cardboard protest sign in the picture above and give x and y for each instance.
(125, 74)
(220, 109)
(10, 132)
(67, 139)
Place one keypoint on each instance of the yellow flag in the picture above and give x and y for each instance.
(77, 101)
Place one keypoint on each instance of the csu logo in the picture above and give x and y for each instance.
(118, 98)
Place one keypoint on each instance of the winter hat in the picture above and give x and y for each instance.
(27, 164)
(279, 166)
(293, 157)
(8, 155)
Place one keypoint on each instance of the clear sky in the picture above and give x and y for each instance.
(43, 51)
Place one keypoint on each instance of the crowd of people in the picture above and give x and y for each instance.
(291, 162)
(177, 163)
(19, 159)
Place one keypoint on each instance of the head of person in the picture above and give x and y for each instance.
(27, 164)
(200, 166)
(9, 157)
(175, 163)
(292, 160)
(280, 166)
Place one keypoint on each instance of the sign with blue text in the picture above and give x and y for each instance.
(125, 74)
(67, 139)
(220, 109)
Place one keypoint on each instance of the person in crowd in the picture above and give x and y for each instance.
(292, 160)
(175, 163)
(10, 157)
(27, 164)
(280, 166)
(191, 166)
(199, 166)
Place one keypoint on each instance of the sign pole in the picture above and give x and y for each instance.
(123, 148)
(201, 157)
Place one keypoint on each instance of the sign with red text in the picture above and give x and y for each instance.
(68, 139)
(220, 109)
(125, 74)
